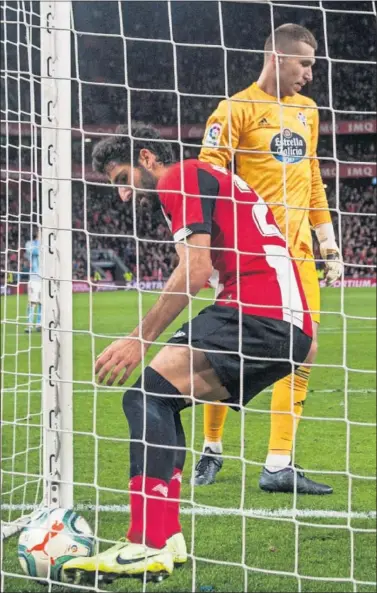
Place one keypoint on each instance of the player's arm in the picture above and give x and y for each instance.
(320, 217)
(222, 133)
(190, 276)
(191, 223)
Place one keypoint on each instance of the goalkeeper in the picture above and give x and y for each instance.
(274, 144)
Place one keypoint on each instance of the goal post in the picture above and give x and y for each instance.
(56, 184)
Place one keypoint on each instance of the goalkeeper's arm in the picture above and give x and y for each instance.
(330, 252)
(222, 134)
(320, 217)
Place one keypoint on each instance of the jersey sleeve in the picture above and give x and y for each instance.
(222, 133)
(319, 207)
(189, 211)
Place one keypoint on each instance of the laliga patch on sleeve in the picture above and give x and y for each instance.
(213, 135)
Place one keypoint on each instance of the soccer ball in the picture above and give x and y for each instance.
(51, 538)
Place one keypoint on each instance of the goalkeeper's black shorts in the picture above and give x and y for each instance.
(248, 356)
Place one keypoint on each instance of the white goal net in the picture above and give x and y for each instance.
(70, 73)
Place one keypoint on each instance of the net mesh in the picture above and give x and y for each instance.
(20, 210)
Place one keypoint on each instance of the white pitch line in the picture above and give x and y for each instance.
(38, 392)
(332, 330)
(282, 513)
(326, 330)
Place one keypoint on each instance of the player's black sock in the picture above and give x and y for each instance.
(151, 419)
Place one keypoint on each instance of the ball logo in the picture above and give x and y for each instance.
(288, 147)
(213, 135)
(74, 548)
(41, 547)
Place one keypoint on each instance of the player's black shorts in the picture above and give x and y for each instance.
(246, 357)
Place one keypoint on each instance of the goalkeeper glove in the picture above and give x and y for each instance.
(330, 252)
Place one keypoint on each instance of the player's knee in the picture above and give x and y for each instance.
(151, 391)
(145, 413)
(133, 401)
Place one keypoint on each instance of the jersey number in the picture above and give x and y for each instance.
(278, 258)
(259, 211)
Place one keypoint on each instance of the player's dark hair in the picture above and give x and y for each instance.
(35, 232)
(287, 34)
(118, 149)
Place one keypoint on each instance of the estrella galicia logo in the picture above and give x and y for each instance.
(288, 147)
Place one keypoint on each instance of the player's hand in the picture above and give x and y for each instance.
(333, 263)
(121, 357)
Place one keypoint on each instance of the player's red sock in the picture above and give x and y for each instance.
(172, 506)
(155, 513)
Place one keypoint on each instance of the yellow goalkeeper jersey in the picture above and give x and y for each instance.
(275, 147)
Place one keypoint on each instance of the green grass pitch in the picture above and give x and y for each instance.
(330, 544)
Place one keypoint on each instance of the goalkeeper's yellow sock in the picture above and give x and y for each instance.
(288, 396)
(214, 420)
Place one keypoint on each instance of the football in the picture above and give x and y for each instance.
(51, 538)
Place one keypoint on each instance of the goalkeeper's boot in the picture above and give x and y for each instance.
(125, 559)
(177, 547)
(284, 481)
(207, 467)
(28, 330)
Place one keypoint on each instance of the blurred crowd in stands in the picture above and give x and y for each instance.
(206, 71)
(141, 239)
(216, 51)
(106, 223)
(357, 226)
(162, 62)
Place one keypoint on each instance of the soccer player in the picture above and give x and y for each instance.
(272, 132)
(32, 249)
(218, 223)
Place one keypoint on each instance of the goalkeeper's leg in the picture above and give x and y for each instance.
(211, 462)
(287, 403)
(288, 398)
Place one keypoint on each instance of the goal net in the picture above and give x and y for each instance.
(64, 438)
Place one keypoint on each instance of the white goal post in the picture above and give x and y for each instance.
(41, 378)
(55, 185)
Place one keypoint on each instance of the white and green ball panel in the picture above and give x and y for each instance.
(75, 539)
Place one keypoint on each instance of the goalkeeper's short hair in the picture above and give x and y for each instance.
(287, 34)
(124, 147)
